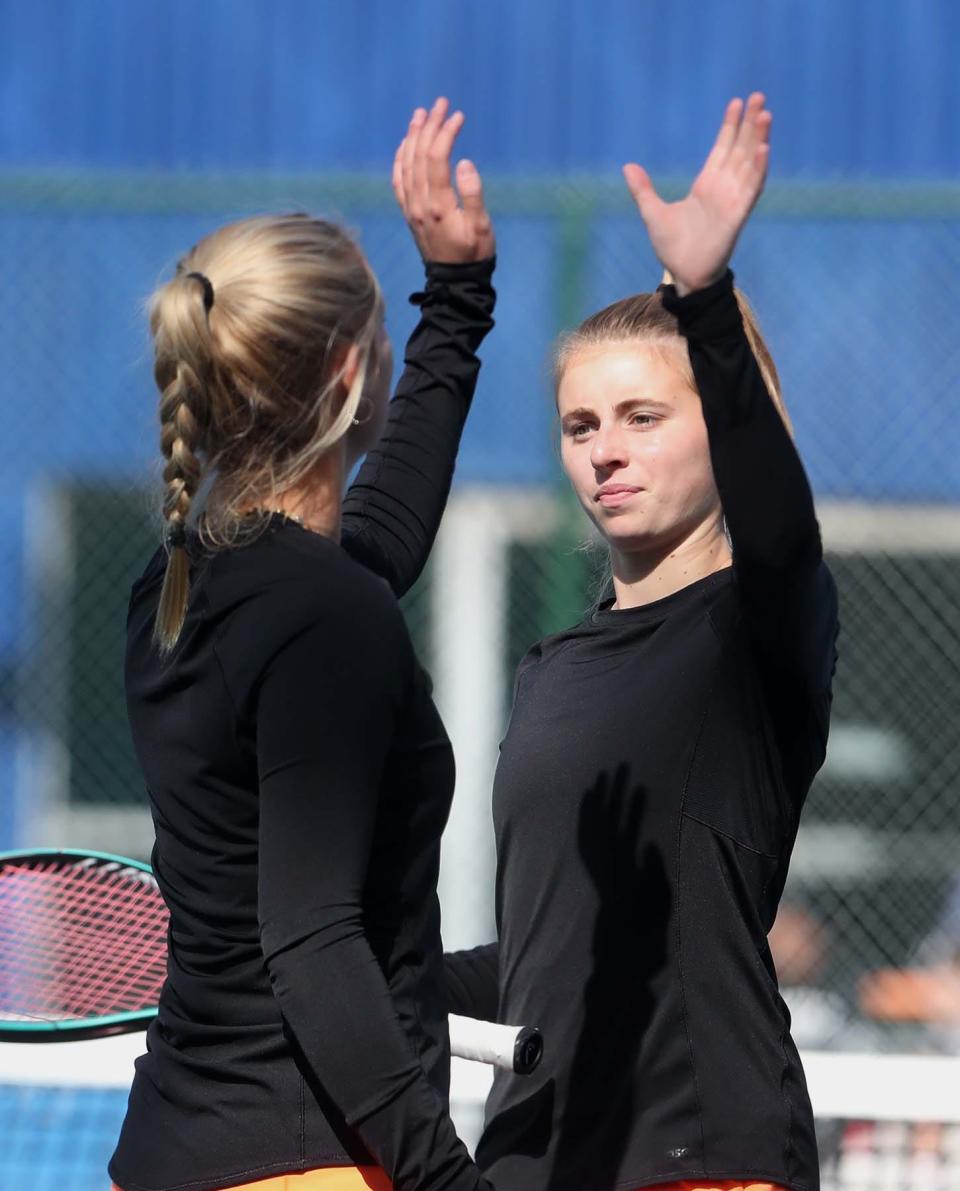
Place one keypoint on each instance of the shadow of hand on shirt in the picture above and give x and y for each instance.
(628, 951)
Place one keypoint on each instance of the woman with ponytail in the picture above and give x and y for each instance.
(659, 752)
(298, 772)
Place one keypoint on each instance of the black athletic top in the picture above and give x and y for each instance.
(300, 779)
(645, 805)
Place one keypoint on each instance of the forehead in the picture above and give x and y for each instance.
(609, 373)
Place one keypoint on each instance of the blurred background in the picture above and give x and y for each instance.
(130, 128)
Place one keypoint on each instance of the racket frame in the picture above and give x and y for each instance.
(525, 1048)
(83, 1028)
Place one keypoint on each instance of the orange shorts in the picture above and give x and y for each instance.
(735, 1185)
(326, 1178)
(372, 1178)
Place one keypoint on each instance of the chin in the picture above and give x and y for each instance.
(629, 533)
(620, 534)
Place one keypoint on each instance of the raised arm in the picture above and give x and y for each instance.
(392, 511)
(786, 593)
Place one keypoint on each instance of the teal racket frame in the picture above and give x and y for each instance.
(83, 1028)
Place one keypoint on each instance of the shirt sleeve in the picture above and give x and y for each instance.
(786, 592)
(473, 981)
(392, 510)
(327, 709)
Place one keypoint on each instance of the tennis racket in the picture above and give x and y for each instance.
(83, 954)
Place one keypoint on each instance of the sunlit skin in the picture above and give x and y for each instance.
(634, 446)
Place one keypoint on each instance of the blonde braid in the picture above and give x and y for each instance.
(179, 439)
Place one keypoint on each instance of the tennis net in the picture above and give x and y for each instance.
(885, 1122)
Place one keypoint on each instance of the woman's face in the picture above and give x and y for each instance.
(634, 444)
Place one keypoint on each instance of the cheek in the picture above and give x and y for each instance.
(688, 461)
(681, 449)
(576, 464)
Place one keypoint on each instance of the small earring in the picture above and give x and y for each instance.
(356, 422)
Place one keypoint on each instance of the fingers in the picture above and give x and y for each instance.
(448, 223)
(421, 179)
(751, 155)
(745, 129)
(741, 151)
(751, 131)
(407, 150)
(470, 188)
(761, 151)
(640, 186)
(442, 198)
(761, 158)
(396, 177)
(727, 136)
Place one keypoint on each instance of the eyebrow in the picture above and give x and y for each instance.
(621, 407)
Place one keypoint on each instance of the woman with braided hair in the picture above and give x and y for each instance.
(298, 772)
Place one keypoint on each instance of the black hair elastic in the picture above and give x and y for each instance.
(177, 535)
(207, 289)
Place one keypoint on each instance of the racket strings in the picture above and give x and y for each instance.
(80, 941)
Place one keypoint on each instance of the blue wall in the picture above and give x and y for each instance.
(859, 311)
(859, 87)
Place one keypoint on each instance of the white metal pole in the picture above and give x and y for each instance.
(469, 596)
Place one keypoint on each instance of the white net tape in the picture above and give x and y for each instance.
(885, 1122)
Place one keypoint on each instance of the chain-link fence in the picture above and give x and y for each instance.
(857, 291)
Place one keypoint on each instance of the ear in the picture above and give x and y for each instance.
(351, 366)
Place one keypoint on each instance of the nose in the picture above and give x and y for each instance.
(608, 449)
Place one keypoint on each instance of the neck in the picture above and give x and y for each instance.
(640, 577)
(317, 503)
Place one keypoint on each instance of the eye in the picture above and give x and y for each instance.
(577, 429)
(642, 419)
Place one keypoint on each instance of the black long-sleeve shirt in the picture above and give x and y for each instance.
(300, 779)
(646, 804)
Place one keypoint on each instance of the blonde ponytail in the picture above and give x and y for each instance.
(250, 341)
(761, 353)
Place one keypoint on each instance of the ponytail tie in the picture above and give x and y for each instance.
(207, 289)
(177, 535)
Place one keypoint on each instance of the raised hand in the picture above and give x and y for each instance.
(447, 228)
(695, 237)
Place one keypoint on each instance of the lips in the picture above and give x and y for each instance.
(613, 495)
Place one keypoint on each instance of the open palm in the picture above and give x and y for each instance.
(449, 224)
(695, 237)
